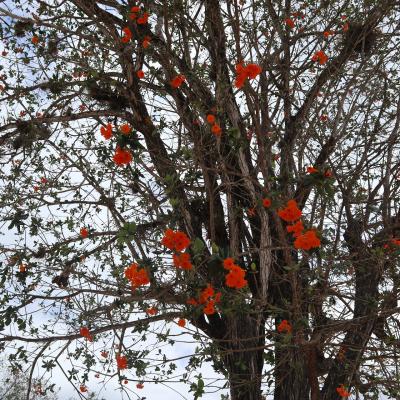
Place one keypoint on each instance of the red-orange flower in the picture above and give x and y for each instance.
(307, 241)
(125, 129)
(35, 39)
(84, 233)
(210, 118)
(342, 391)
(296, 228)
(140, 386)
(312, 170)
(177, 81)
(289, 22)
(152, 311)
(122, 362)
(175, 240)
(192, 302)
(137, 277)
(83, 388)
(285, 326)
(246, 72)
(216, 129)
(127, 35)
(106, 131)
(320, 56)
(104, 354)
(235, 277)
(291, 213)
(328, 173)
(140, 74)
(143, 19)
(122, 156)
(22, 268)
(84, 332)
(209, 309)
(182, 261)
(266, 202)
(181, 322)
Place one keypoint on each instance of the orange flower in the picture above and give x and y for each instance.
(104, 354)
(83, 388)
(285, 326)
(251, 71)
(216, 130)
(175, 240)
(266, 202)
(143, 19)
(140, 74)
(320, 56)
(84, 233)
(140, 386)
(122, 156)
(84, 332)
(307, 241)
(137, 277)
(134, 11)
(146, 42)
(22, 268)
(182, 261)
(210, 118)
(327, 34)
(151, 311)
(127, 35)
(312, 170)
(328, 173)
(209, 309)
(106, 131)
(122, 362)
(291, 213)
(235, 277)
(289, 22)
(125, 128)
(342, 391)
(35, 40)
(177, 81)
(296, 228)
(206, 294)
(181, 322)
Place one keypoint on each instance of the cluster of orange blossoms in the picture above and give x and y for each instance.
(304, 240)
(250, 71)
(215, 128)
(320, 56)
(106, 131)
(143, 19)
(285, 326)
(122, 156)
(235, 277)
(209, 298)
(177, 81)
(127, 35)
(137, 277)
(181, 322)
(341, 391)
(122, 362)
(35, 40)
(178, 241)
(125, 129)
(84, 233)
(152, 311)
(84, 332)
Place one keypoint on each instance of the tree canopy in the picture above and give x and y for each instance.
(220, 173)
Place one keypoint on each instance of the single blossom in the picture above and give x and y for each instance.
(285, 326)
(140, 74)
(84, 233)
(291, 213)
(320, 56)
(122, 362)
(127, 35)
(106, 131)
(122, 156)
(181, 322)
(177, 81)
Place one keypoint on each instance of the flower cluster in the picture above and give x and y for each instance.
(304, 240)
(122, 362)
(341, 391)
(127, 35)
(125, 129)
(181, 322)
(152, 311)
(84, 332)
(289, 23)
(250, 71)
(320, 56)
(143, 19)
(177, 81)
(215, 127)
(84, 233)
(235, 277)
(137, 277)
(285, 326)
(122, 156)
(178, 241)
(209, 298)
(106, 131)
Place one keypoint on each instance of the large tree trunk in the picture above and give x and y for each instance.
(242, 350)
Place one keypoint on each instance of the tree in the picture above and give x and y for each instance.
(231, 164)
